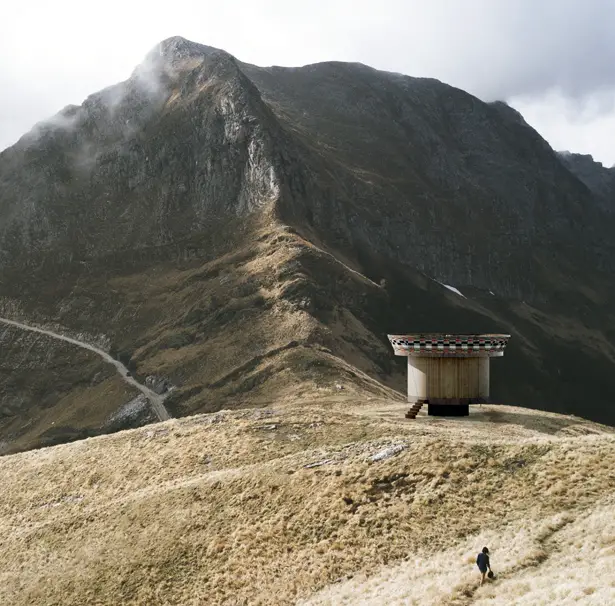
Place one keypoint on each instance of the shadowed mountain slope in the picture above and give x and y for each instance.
(251, 234)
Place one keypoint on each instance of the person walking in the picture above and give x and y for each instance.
(482, 561)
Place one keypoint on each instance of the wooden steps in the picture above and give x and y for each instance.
(414, 410)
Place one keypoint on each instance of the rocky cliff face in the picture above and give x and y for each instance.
(140, 164)
(251, 233)
(599, 179)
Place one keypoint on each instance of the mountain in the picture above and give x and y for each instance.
(249, 235)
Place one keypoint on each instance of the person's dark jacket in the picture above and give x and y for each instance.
(482, 561)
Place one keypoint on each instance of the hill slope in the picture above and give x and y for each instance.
(271, 506)
(246, 234)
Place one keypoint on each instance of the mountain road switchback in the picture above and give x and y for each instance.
(156, 400)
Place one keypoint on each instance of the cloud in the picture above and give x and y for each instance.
(55, 54)
(497, 49)
(586, 129)
(520, 48)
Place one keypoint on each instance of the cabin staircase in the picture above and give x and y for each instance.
(416, 407)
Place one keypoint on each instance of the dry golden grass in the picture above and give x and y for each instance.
(221, 509)
(563, 559)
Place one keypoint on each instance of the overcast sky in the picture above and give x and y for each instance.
(554, 60)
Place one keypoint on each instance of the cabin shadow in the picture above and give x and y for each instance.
(537, 422)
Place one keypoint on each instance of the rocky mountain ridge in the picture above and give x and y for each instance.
(253, 233)
(597, 177)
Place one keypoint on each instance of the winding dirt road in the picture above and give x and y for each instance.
(156, 401)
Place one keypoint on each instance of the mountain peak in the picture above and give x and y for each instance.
(169, 58)
(174, 55)
(177, 47)
(176, 52)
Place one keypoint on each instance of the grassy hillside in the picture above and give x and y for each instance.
(269, 316)
(336, 501)
(52, 392)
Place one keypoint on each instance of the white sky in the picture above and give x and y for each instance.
(554, 60)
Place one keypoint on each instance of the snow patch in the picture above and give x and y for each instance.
(453, 289)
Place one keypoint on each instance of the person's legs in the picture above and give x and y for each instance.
(482, 577)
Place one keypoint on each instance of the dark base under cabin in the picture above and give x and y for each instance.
(448, 410)
(445, 407)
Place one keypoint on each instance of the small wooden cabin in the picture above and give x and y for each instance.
(448, 372)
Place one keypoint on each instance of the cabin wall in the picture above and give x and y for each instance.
(448, 378)
(483, 383)
(417, 379)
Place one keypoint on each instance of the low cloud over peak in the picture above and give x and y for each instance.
(526, 52)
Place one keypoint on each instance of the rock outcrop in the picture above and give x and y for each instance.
(598, 178)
